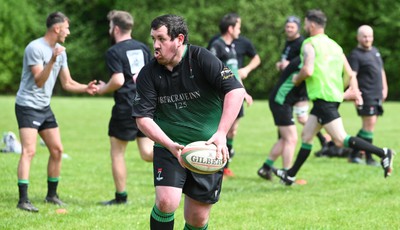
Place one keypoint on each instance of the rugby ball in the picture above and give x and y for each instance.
(201, 158)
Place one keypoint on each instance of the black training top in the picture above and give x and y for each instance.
(127, 57)
(187, 102)
(368, 64)
(284, 91)
(292, 48)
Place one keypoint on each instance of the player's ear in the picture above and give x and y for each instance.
(181, 39)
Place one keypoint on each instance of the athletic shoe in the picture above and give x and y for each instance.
(27, 206)
(265, 173)
(54, 200)
(115, 202)
(387, 162)
(372, 162)
(228, 173)
(285, 179)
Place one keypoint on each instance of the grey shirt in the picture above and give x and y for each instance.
(38, 52)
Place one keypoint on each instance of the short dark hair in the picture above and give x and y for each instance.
(294, 19)
(122, 19)
(54, 18)
(317, 16)
(228, 20)
(175, 25)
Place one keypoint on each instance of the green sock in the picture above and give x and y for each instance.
(190, 227)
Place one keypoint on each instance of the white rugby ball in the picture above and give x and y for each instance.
(201, 158)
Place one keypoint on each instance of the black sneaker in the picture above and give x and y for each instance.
(27, 206)
(54, 200)
(285, 179)
(387, 162)
(265, 173)
(114, 202)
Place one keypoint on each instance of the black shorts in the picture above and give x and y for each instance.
(325, 111)
(123, 126)
(370, 108)
(283, 114)
(200, 187)
(39, 119)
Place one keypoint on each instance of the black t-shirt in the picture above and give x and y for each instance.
(243, 46)
(187, 102)
(227, 54)
(368, 64)
(292, 48)
(126, 57)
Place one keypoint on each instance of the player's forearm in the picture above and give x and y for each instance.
(153, 131)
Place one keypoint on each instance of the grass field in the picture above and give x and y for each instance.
(338, 195)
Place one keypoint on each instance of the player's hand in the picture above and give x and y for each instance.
(219, 139)
(57, 51)
(295, 80)
(92, 88)
(176, 150)
(249, 99)
(243, 73)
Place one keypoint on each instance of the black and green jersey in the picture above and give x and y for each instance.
(284, 91)
(227, 54)
(187, 102)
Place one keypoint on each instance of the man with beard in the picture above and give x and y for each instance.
(124, 60)
(185, 94)
(322, 66)
(44, 61)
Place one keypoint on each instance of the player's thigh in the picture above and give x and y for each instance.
(310, 129)
(336, 130)
(28, 137)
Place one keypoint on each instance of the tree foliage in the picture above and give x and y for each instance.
(262, 21)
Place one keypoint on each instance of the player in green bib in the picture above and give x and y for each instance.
(323, 66)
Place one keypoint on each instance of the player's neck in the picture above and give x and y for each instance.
(123, 38)
(228, 39)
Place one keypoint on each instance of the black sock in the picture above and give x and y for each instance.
(23, 192)
(160, 220)
(358, 143)
(121, 196)
(321, 138)
(366, 136)
(52, 188)
(302, 156)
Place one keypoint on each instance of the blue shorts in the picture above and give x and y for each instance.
(200, 187)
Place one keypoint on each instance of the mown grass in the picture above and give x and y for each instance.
(338, 195)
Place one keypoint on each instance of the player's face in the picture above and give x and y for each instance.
(365, 39)
(307, 25)
(62, 31)
(236, 29)
(112, 33)
(291, 30)
(165, 49)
